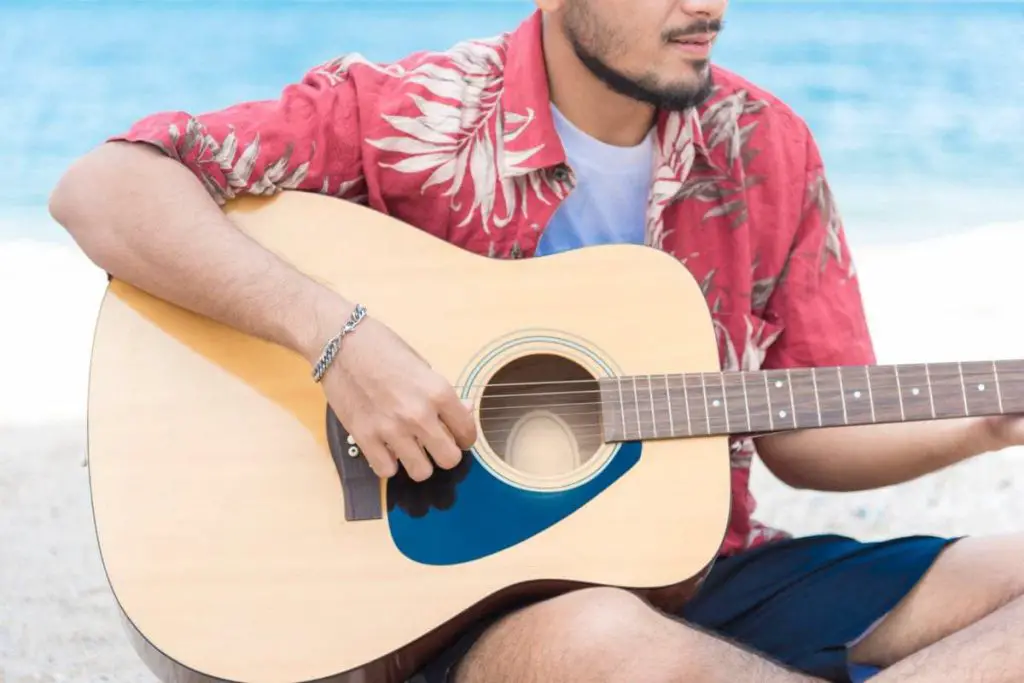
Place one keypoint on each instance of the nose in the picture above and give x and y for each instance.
(710, 9)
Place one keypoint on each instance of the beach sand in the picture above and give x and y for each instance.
(932, 301)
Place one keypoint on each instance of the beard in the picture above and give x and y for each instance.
(592, 42)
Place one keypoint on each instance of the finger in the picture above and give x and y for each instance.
(380, 459)
(413, 459)
(441, 446)
(457, 416)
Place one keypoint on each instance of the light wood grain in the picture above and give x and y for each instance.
(218, 509)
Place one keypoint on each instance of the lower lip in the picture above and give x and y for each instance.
(695, 49)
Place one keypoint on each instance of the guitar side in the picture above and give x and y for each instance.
(219, 513)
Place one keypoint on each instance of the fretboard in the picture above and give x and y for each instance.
(738, 403)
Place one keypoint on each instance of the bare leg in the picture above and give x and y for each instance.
(603, 635)
(986, 652)
(959, 622)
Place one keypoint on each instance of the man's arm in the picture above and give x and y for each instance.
(146, 207)
(153, 219)
(819, 303)
(873, 456)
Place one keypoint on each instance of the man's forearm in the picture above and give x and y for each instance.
(872, 456)
(148, 221)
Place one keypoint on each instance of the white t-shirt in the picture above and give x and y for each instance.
(609, 203)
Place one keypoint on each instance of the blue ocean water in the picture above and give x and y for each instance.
(918, 106)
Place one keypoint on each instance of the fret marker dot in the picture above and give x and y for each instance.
(715, 403)
(915, 391)
(778, 384)
(782, 413)
(981, 387)
(856, 394)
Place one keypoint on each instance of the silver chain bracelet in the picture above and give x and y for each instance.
(331, 348)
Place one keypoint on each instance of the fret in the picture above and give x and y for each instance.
(885, 393)
(830, 397)
(636, 406)
(857, 396)
(915, 392)
(700, 421)
(1010, 374)
(963, 387)
(781, 399)
(842, 395)
(661, 407)
(679, 404)
(817, 396)
(947, 390)
(931, 394)
(666, 397)
(871, 393)
(999, 390)
(805, 398)
(611, 410)
(714, 393)
(631, 427)
(980, 382)
(737, 405)
(768, 401)
(758, 405)
(899, 391)
(646, 419)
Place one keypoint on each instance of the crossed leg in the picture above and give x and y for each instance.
(963, 621)
(604, 635)
(958, 624)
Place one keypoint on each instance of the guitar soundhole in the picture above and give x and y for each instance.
(540, 414)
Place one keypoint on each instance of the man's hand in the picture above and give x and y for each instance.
(394, 405)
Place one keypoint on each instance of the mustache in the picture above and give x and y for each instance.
(705, 26)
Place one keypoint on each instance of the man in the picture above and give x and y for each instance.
(594, 121)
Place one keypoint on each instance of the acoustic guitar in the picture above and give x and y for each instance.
(246, 539)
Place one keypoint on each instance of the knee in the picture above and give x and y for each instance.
(986, 567)
(596, 634)
(997, 563)
(1014, 577)
(602, 620)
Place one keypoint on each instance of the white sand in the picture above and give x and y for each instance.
(947, 299)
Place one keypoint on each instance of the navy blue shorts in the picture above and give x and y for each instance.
(799, 602)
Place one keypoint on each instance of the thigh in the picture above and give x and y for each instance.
(798, 602)
(804, 602)
(969, 581)
(545, 641)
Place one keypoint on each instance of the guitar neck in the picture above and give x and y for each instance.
(648, 407)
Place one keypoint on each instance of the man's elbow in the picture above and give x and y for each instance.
(777, 454)
(62, 201)
(70, 198)
(82, 202)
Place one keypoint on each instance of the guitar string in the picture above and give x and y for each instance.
(644, 404)
(855, 371)
(593, 427)
(649, 414)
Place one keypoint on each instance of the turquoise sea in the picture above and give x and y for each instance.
(918, 106)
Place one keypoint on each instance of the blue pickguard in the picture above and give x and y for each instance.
(468, 513)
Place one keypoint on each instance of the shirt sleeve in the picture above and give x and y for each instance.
(306, 139)
(818, 300)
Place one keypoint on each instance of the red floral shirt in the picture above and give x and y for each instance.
(461, 144)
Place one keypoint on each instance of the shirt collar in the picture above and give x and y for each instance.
(530, 141)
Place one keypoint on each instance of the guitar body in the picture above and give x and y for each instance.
(235, 552)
